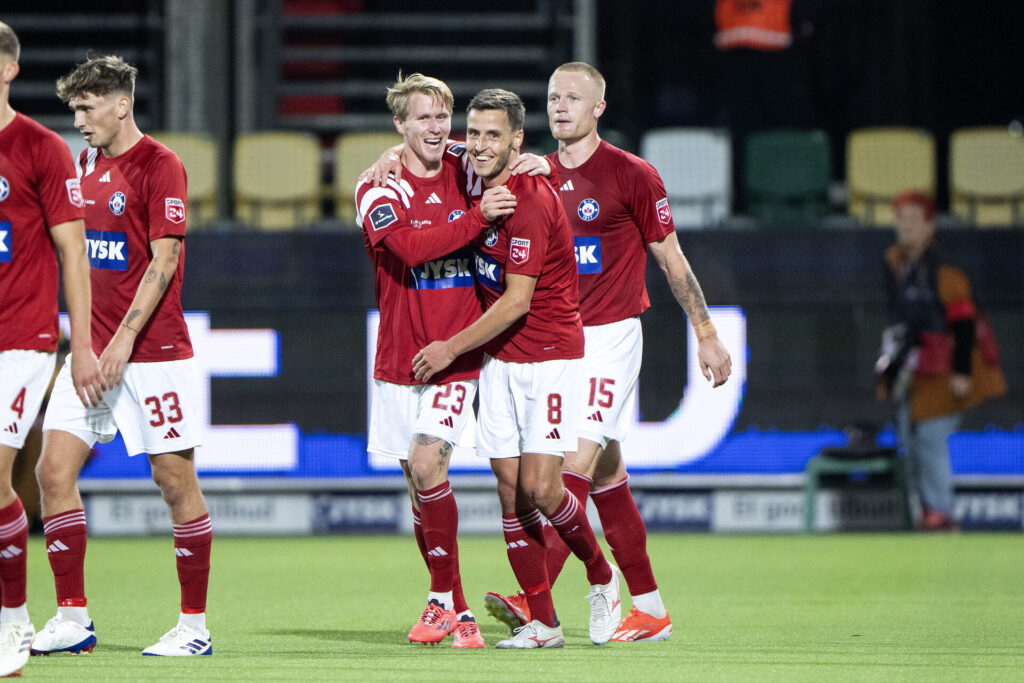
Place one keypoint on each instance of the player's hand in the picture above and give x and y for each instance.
(432, 359)
(390, 162)
(715, 362)
(87, 377)
(496, 203)
(115, 357)
(530, 164)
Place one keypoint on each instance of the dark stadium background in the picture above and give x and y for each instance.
(812, 295)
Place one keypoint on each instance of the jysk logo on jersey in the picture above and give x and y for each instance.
(488, 272)
(519, 250)
(117, 203)
(588, 209)
(382, 216)
(74, 188)
(664, 211)
(446, 272)
(5, 242)
(455, 214)
(588, 255)
(174, 209)
(5, 188)
(107, 250)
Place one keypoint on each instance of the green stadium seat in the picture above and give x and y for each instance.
(787, 175)
(848, 461)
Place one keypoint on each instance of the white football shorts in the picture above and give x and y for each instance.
(611, 371)
(400, 410)
(154, 407)
(24, 377)
(527, 407)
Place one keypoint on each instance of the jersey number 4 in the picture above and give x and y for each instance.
(157, 407)
(19, 403)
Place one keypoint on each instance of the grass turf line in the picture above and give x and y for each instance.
(843, 607)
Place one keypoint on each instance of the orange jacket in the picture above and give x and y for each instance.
(757, 24)
(930, 394)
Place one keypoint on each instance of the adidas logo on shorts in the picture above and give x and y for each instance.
(553, 434)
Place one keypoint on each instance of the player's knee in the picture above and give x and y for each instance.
(425, 475)
(545, 494)
(53, 475)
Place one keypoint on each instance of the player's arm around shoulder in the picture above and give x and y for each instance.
(715, 362)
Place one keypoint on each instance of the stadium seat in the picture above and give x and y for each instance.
(696, 165)
(787, 175)
(881, 163)
(846, 461)
(277, 179)
(198, 153)
(353, 154)
(986, 176)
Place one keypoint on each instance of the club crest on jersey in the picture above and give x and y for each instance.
(117, 203)
(492, 237)
(5, 241)
(455, 214)
(174, 209)
(519, 250)
(75, 192)
(588, 209)
(588, 255)
(5, 188)
(382, 216)
(458, 149)
(664, 211)
(107, 250)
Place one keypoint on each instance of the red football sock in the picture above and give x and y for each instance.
(192, 542)
(458, 597)
(439, 517)
(626, 535)
(570, 520)
(13, 547)
(558, 551)
(417, 531)
(524, 543)
(65, 548)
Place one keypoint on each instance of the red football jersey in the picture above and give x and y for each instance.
(38, 190)
(428, 301)
(616, 203)
(131, 200)
(536, 240)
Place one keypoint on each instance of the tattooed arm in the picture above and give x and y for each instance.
(712, 354)
(157, 277)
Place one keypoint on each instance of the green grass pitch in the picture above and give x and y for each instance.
(786, 608)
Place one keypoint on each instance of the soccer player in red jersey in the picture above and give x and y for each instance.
(134, 190)
(417, 233)
(533, 341)
(618, 208)
(40, 217)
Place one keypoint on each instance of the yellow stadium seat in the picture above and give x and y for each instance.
(198, 153)
(986, 176)
(277, 179)
(881, 163)
(353, 154)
